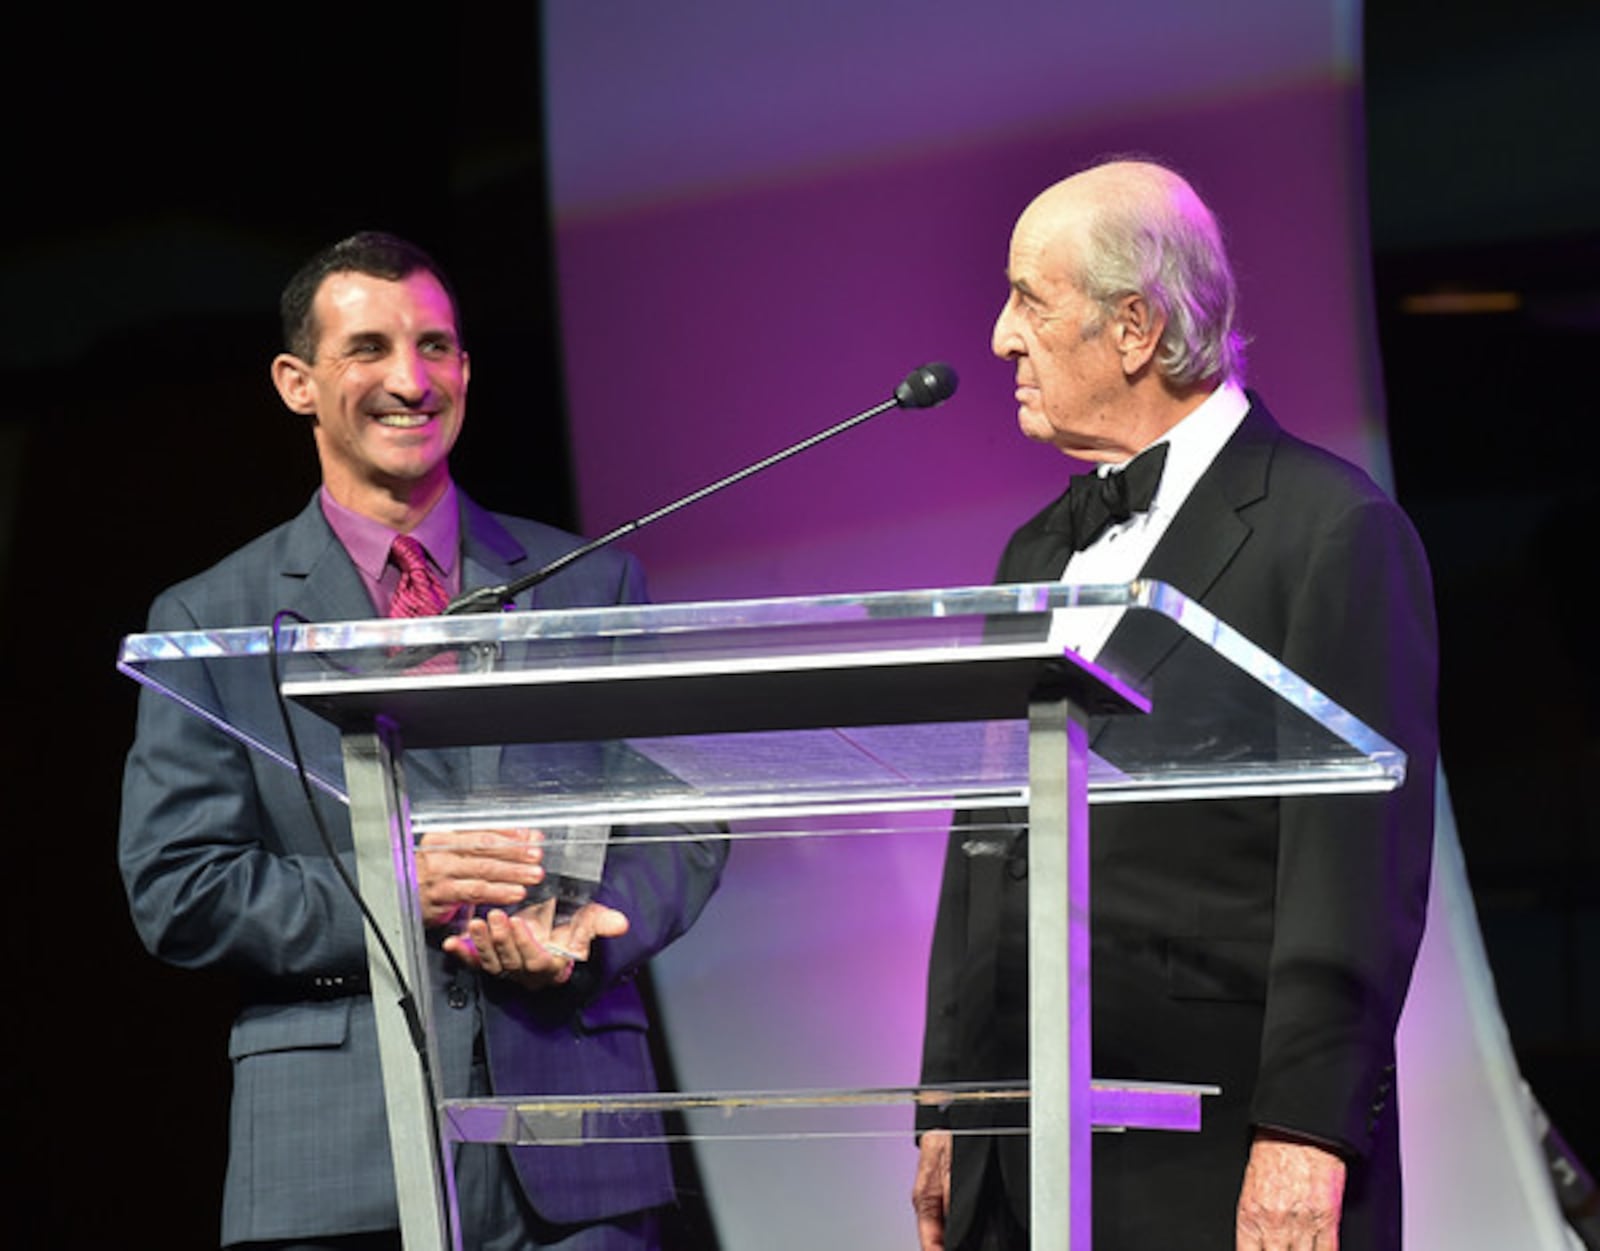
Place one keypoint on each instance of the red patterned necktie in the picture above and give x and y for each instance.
(420, 593)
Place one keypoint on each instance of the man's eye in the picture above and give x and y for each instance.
(438, 349)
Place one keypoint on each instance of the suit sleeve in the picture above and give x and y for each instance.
(943, 1061)
(1352, 871)
(208, 884)
(941, 1032)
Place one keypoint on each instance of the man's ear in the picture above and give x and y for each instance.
(292, 377)
(1137, 328)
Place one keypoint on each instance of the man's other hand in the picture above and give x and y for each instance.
(459, 869)
(1292, 1196)
(930, 1193)
(526, 948)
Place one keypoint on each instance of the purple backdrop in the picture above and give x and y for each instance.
(764, 220)
(704, 334)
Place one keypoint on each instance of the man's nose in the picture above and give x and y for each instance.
(408, 375)
(1005, 342)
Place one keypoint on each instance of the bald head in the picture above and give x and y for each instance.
(1135, 227)
(1119, 182)
(1120, 318)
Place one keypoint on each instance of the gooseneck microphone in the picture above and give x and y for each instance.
(924, 387)
(931, 385)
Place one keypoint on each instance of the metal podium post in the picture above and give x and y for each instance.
(386, 870)
(1058, 975)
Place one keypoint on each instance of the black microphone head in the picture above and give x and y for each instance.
(923, 388)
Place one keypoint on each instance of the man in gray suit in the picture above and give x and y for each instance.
(224, 868)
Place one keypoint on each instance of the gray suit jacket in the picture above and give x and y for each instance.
(224, 870)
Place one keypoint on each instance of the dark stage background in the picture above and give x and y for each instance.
(162, 182)
(1484, 169)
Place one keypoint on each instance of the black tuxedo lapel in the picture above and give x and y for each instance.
(1040, 550)
(1204, 538)
(1209, 529)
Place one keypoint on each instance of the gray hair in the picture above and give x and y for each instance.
(1155, 237)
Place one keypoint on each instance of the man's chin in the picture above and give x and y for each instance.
(1034, 426)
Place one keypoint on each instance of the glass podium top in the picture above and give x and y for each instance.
(910, 700)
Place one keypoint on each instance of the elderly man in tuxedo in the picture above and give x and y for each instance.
(1264, 945)
(224, 868)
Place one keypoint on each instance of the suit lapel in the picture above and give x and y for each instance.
(490, 554)
(317, 578)
(1042, 555)
(310, 574)
(1202, 541)
(1209, 531)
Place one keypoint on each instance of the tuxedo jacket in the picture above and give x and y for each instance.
(224, 870)
(1264, 945)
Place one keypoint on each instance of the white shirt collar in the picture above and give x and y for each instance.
(1194, 442)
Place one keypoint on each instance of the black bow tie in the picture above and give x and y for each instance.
(1095, 502)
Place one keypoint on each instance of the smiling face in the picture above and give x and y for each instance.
(388, 389)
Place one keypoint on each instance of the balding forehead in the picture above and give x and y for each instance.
(1046, 239)
(1118, 181)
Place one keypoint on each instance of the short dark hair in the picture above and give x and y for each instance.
(372, 252)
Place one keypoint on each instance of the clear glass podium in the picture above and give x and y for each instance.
(611, 723)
